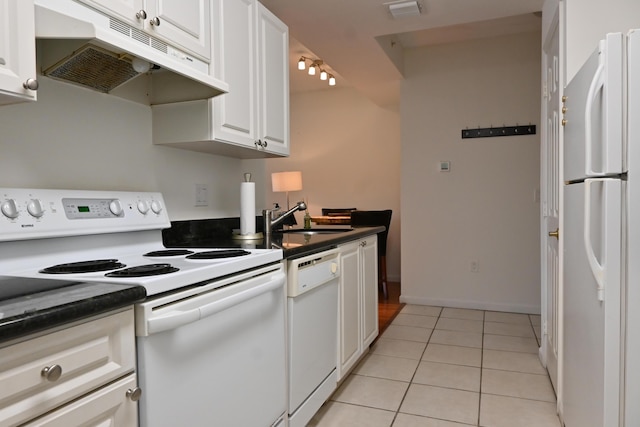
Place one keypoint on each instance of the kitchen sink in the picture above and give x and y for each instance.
(312, 231)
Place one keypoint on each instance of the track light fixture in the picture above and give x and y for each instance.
(314, 68)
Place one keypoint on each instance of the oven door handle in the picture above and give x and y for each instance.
(175, 319)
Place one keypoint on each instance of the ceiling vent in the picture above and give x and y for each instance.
(403, 9)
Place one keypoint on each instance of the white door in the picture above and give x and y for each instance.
(550, 199)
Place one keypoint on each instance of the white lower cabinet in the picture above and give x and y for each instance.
(108, 406)
(84, 372)
(358, 301)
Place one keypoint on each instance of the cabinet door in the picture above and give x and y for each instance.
(273, 74)
(234, 113)
(186, 24)
(86, 356)
(109, 406)
(125, 10)
(369, 286)
(17, 50)
(349, 348)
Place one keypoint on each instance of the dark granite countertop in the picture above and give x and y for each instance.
(40, 304)
(56, 302)
(217, 233)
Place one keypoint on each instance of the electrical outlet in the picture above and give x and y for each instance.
(474, 266)
(202, 195)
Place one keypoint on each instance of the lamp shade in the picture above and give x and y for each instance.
(286, 181)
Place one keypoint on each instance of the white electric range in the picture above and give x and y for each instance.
(117, 233)
(211, 334)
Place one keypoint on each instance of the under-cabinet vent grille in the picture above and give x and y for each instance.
(119, 26)
(158, 45)
(140, 36)
(137, 35)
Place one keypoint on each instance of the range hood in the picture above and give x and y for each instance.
(83, 46)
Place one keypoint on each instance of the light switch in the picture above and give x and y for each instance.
(445, 166)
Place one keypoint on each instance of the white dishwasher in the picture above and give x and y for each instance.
(312, 301)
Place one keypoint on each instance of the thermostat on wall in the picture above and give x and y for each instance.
(445, 166)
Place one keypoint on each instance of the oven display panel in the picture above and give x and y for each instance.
(92, 208)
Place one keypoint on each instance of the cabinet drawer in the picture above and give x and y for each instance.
(108, 406)
(90, 355)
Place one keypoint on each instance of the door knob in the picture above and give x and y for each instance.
(555, 234)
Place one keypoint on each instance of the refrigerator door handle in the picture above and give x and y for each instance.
(597, 269)
(597, 83)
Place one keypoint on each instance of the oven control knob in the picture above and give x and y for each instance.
(9, 209)
(35, 208)
(156, 207)
(143, 207)
(115, 207)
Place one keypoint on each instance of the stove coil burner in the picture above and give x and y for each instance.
(219, 254)
(144, 270)
(84, 267)
(168, 252)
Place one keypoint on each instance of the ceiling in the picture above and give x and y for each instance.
(363, 46)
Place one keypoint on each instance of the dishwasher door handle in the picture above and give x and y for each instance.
(175, 319)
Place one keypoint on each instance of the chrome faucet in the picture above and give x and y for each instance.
(270, 222)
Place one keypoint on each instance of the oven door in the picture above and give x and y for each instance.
(215, 357)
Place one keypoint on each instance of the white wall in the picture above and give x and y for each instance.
(484, 209)
(79, 139)
(587, 22)
(348, 150)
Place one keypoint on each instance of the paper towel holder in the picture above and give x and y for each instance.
(236, 233)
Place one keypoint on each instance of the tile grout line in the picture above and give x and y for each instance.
(416, 370)
(484, 315)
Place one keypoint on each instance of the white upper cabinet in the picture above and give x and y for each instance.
(185, 24)
(273, 86)
(250, 53)
(235, 114)
(17, 52)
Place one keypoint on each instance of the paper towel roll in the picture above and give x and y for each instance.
(247, 208)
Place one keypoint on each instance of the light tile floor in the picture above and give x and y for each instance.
(448, 367)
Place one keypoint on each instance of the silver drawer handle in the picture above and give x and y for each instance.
(51, 373)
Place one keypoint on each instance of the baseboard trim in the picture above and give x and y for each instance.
(477, 305)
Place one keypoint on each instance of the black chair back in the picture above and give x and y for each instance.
(371, 219)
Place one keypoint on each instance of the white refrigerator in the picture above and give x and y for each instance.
(600, 301)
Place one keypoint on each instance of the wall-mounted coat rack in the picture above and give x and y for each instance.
(500, 131)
